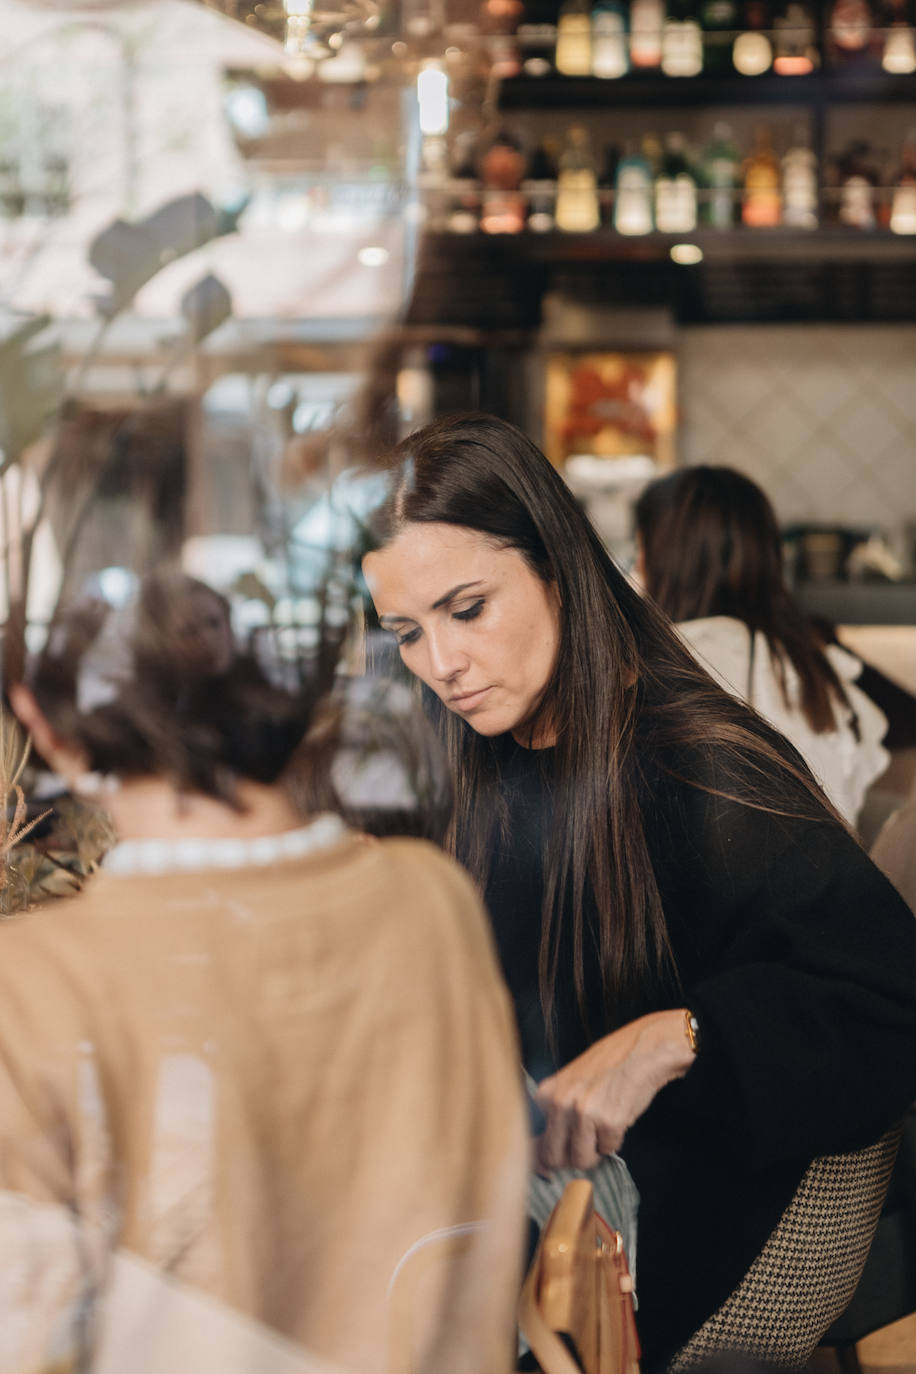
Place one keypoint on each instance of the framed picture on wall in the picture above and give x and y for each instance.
(611, 405)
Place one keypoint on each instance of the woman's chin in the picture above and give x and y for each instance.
(485, 723)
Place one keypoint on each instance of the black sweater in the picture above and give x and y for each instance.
(799, 960)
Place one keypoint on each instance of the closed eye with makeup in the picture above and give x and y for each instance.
(405, 636)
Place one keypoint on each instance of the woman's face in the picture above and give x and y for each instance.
(472, 621)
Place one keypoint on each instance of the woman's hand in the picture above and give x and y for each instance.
(592, 1102)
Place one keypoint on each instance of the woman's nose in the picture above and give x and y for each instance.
(446, 659)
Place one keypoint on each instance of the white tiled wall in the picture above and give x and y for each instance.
(822, 416)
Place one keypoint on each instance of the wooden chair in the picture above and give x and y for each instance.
(576, 1305)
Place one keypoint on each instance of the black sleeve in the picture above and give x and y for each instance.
(799, 959)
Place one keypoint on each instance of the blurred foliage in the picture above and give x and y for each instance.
(66, 844)
(15, 824)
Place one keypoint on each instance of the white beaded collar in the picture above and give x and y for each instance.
(181, 856)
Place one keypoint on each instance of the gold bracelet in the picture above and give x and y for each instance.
(692, 1030)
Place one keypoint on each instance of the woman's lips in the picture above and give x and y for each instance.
(468, 700)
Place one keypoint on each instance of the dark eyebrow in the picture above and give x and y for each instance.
(384, 620)
(455, 591)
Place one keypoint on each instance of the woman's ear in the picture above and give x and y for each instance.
(66, 759)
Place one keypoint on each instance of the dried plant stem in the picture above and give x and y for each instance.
(14, 754)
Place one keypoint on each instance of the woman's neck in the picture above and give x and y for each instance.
(543, 739)
(151, 808)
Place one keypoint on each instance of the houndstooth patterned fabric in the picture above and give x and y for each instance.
(807, 1271)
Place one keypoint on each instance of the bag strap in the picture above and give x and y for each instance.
(551, 1354)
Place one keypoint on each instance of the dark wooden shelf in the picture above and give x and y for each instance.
(651, 89)
(497, 282)
(832, 244)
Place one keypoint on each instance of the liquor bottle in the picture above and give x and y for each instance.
(633, 195)
(675, 190)
(610, 39)
(719, 19)
(652, 149)
(682, 40)
(416, 19)
(502, 168)
(903, 203)
(762, 202)
(461, 21)
(499, 16)
(577, 209)
(830, 194)
(464, 189)
(606, 183)
(752, 51)
(537, 37)
(886, 176)
(647, 18)
(799, 183)
(721, 167)
(540, 189)
(795, 42)
(849, 33)
(574, 39)
(498, 22)
(858, 182)
(899, 53)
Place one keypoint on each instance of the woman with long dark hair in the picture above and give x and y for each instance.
(711, 558)
(707, 971)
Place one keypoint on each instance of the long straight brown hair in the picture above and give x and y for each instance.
(711, 546)
(619, 662)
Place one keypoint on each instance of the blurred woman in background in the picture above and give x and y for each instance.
(708, 973)
(259, 1105)
(710, 555)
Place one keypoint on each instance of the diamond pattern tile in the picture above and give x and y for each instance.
(861, 504)
(867, 427)
(823, 417)
(821, 466)
(781, 428)
(743, 387)
(815, 384)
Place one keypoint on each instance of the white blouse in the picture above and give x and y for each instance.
(843, 765)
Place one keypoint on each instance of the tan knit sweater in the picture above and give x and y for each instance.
(258, 1119)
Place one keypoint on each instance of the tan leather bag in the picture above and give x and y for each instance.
(576, 1305)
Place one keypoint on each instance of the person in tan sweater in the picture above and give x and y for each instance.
(259, 1101)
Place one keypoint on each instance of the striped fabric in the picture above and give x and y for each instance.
(616, 1195)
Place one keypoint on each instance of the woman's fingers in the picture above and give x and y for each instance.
(609, 1137)
(553, 1142)
(574, 1131)
(591, 1103)
(583, 1142)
